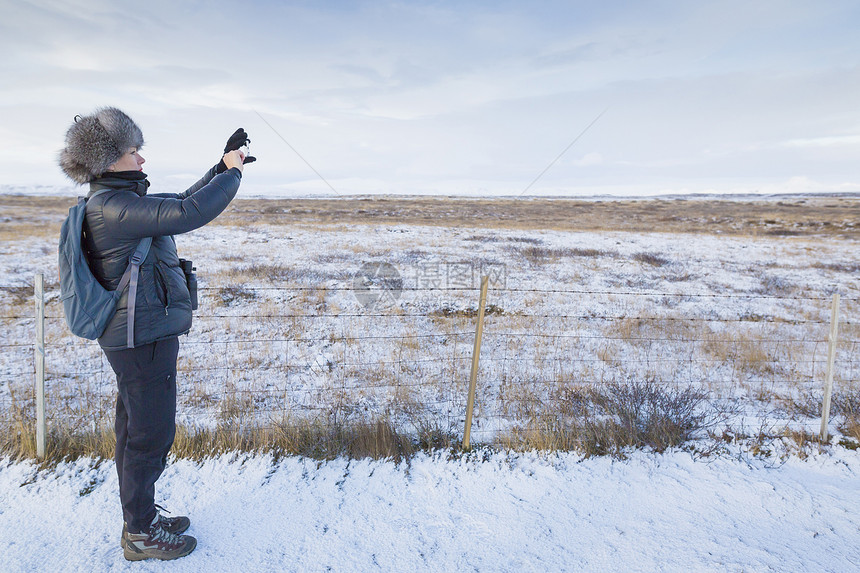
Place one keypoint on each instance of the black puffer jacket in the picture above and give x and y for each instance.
(115, 223)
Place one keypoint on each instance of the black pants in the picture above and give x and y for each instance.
(145, 424)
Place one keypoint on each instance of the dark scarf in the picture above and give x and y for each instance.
(121, 181)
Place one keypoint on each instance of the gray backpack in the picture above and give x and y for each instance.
(87, 305)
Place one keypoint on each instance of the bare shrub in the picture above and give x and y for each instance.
(838, 267)
(538, 255)
(448, 312)
(588, 253)
(431, 436)
(847, 405)
(334, 257)
(534, 254)
(616, 417)
(806, 404)
(279, 274)
(17, 295)
(775, 286)
(844, 405)
(651, 259)
(484, 238)
(642, 413)
(784, 232)
(230, 295)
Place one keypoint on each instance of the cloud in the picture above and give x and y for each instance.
(589, 159)
(829, 141)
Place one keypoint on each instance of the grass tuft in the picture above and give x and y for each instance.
(231, 295)
(847, 405)
(651, 259)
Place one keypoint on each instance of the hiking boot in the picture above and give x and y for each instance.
(157, 543)
(175, 525)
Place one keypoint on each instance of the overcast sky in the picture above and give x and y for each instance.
(448, 97)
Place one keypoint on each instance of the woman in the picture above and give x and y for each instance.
(103, 149)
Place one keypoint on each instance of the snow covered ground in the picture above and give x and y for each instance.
(493, 513)
(281, 330)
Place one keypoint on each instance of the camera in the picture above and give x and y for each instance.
(191, 279)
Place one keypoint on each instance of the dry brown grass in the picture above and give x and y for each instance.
(32, 217)
(801, 443)
(317, 439)
(18, 438)
(748, 355)
(790, 216)
(851, 428)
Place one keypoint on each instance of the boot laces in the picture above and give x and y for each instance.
(163, 520)
(161, 535)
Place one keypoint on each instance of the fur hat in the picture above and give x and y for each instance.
(95, 142)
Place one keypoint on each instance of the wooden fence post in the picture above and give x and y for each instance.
(831, 359)
(476, 352)
(39, 349)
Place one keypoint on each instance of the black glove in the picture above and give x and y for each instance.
(237, 140)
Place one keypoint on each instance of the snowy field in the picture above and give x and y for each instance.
(306, 315)
(355, 317)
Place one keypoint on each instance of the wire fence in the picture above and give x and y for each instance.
(258, 355)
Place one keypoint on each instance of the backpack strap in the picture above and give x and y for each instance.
(129, 278)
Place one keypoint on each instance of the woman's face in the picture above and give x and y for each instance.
(131, 161)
